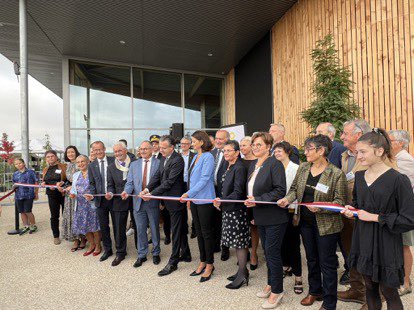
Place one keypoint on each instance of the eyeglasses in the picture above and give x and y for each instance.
(185, 143)
(144, 149)
(257, 145)
(308, 149)
(228, 151)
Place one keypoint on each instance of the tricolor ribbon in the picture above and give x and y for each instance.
(7, 195)
(35, 185)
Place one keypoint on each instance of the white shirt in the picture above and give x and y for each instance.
(105, 160)
(290, 172)
(186, 158)
(218, 165)
(148, 169)
(251, 182)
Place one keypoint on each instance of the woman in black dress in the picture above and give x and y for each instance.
(386, 202)
(235, 230)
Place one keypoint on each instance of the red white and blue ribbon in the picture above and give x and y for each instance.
(35, 185)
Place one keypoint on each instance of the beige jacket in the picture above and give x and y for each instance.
(405, 163)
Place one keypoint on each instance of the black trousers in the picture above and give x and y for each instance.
(203, 216)
(218, 218)
(103, 210)
(271, 237)
(179, 235)
(167, 222)
(119, 221)
(291, 256)
(322, 263)
(134, 226)
(55, 203)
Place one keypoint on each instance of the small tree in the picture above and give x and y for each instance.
(6, 149)
(332, 88)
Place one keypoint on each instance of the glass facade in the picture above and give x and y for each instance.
(110, 102)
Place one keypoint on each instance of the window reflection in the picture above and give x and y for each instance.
(110, 137)
(157, 99)
(141, 135)
(78, 106)
(80, 140)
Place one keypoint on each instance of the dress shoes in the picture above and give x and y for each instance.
(106, 255)
(167, 270)
(310, 299)
(262, 294)
(156, 259)
(204, 279)
(225, 254)
(117, 260)
(269, 305)
(344, 280)
(139, 262)
(351, 295)
(185, 258)
(167, 240)
(195, 273)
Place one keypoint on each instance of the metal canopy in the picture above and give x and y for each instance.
(178, 34)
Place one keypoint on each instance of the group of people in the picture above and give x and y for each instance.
(242, 192)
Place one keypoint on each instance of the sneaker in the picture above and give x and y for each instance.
(24, 230)
(130, 232)
(344, 278)
(33, 229)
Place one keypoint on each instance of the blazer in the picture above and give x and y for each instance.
(74, 191)
(335, 155)
(133, 184)
(95, 180)
(234, 186)
(405, 163)
(270, 185)
(168, 181)
(116, 185)
(328, 222)
(202, 178)
(223, 164)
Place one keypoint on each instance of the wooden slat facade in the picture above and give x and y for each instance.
(374, 37)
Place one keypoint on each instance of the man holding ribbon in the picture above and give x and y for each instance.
(116, 179)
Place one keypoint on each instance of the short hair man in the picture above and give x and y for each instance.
(335, 156)
(131, 156)
(277, 131)
(155, 142)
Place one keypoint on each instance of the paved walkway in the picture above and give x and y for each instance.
(36, 274)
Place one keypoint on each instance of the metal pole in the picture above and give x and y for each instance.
(24, 81)
(24, 116)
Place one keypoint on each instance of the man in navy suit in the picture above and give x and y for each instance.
(335, 156)
(277, 131)
(140, 174)
(97, 172)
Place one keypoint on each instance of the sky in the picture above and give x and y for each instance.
(45, 108)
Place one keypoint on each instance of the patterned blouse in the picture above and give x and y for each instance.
(27, 177)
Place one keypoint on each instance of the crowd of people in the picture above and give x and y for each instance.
(239, 193)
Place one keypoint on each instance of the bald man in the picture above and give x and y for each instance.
(335, 156)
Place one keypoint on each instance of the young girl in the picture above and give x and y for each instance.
(24, 196)
(386, 202)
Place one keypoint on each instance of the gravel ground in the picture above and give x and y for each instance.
(36, 274)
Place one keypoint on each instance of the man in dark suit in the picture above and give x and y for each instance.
(277, 131)
(220, 166)
(116, 179)
(187, 155)
(168, 181)
(335, 155)
(97, 172)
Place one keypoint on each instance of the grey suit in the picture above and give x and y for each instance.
(144, 211)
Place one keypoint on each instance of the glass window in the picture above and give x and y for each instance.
(78, 106)
(202, 102)
(157, 99)
(110, 137)
(141, 135)
(108, 94)
(79, 139)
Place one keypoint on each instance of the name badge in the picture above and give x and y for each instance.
(58, 171)
(350, 176)
(322, 188)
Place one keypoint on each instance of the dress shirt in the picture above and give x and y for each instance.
(186, 158)
(351, 160)
(105, 170)
(148, 169)
(220, 158)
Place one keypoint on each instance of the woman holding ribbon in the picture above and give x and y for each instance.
(235, 230)
(24, 196)
(267, 182)
(385, 201)
(85, 218)
(54, 174)
(319, 181)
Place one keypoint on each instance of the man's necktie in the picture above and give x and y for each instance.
(103, 175)
(144, 177)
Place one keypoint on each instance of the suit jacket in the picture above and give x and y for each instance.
(159, 156)
(328, 222)
(131, 156)
(222, 168)
(234, 186)
(270, 185)
(133, 184)
(202, 178)
(116, 185)
(168, 181)
(95, 181)
(405, 163)
(335, 156)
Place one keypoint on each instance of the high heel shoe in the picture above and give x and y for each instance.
(97, 253)
(287, 272)
(195, 273)
(204, 279)
(87, 253)
(232, 286)
(262, 294)
(268, 305)
(233, 277)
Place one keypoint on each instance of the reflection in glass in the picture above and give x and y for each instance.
(78, 106)
(79, 139)
(202, 102)
(141, 135)
(110, 137)
(157, 99)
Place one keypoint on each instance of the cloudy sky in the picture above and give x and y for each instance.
(45, 108)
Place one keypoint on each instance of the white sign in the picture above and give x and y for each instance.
(236, 132)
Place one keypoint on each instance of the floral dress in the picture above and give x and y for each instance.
(85, 218)
(69, 209)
